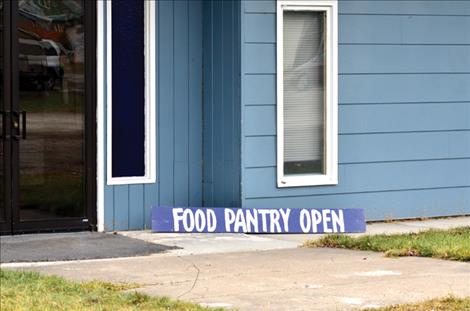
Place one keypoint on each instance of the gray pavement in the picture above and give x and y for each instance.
(73, 246)
(198, 243)
(271, 272)
(287, 279)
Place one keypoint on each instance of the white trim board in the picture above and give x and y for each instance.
(150, 98)
(331, 107)
(100, 103)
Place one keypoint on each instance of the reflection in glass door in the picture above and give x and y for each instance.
(47, 151)
(51, 59)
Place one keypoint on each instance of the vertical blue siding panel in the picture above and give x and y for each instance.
(121, 207)
(236, 76)
(195, 102)
(221, 103)
(180, 91)
(108, 208)
(208, 146)
(136, 212)
(166, 102)
(198, 137)
(218, 103)
(228, 138)
(151, 191)
(150, 199)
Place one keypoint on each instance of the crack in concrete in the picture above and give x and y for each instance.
(195, 279)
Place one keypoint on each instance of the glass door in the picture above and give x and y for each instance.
(52, 56)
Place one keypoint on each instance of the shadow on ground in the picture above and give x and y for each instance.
(74, 246)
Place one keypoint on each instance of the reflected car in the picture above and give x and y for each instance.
(39, 63)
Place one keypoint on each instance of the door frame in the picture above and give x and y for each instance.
(6, 226)
(11, 102)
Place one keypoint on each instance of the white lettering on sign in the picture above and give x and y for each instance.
(338, 220)
(229, 218)
(285, 218)
(252, 220)
(211, 221)
(240, 224)
(258, 220)
(264, 213)
(316, 220)
(326, 220)
(305, 221)
(330, 220)
(198, 220)
(177, 217)
(275, 221)
(188, 220)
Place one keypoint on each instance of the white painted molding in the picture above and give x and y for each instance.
(331, 129)
(150, 99)
(100, 103)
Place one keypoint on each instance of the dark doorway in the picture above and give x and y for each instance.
(47, 104)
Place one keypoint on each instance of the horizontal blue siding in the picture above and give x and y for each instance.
(383, 205)
(376, 59)
(408, 29)
(406, 7)
(395, 7)
(374, 118)
(407, 146)
(368, 177)
(404, 110)
(395, 88)
(392, 88)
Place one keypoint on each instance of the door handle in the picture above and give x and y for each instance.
(3, 116)
(23, 118)
(21, 131)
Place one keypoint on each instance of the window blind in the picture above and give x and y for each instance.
(304, 93)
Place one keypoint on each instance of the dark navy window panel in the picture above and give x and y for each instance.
(128, 88)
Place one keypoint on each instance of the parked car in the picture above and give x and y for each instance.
(39, 63)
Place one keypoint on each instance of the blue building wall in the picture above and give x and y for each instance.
(221, 103)
(179, 122)
(198, 114)
(404, 110)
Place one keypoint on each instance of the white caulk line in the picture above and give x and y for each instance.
(378, 273)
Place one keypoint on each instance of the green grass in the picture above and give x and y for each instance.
(58, 194)
(452, 244)
(21, 290)
(52, 102)
(444, 304)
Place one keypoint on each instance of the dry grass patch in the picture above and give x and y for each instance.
(444, 304)
(22, 290)
(452, 244)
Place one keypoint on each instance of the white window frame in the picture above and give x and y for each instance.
(150, 98)
(331, 108)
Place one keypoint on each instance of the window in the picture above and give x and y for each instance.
(307, 93)
(131, 92)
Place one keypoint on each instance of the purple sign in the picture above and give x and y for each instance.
(257, 220)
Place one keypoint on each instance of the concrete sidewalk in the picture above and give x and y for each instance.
(288, 279)
(192, 244)
(270, 272)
